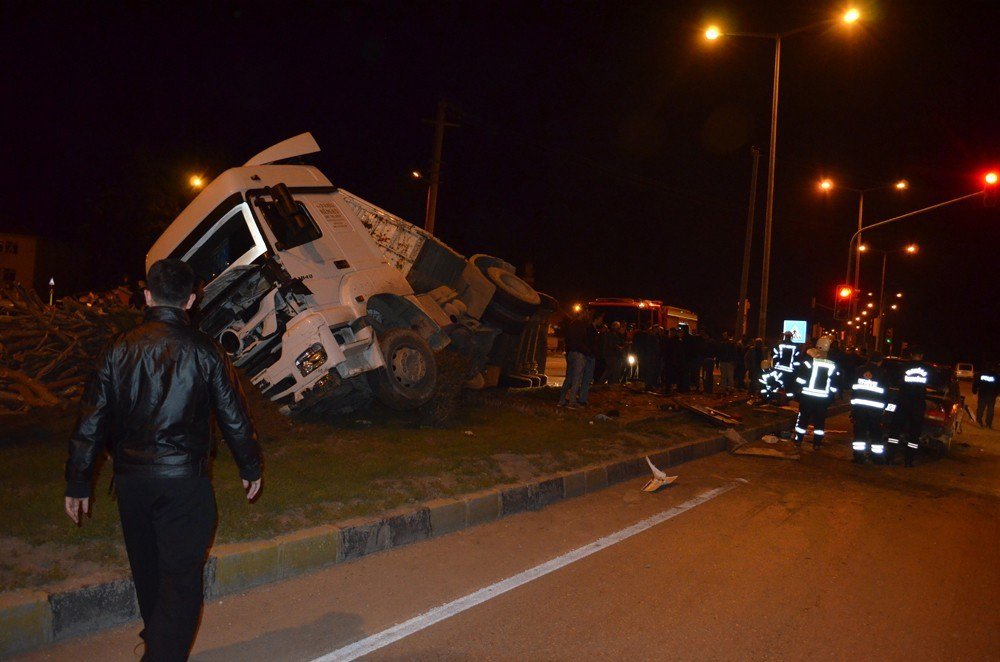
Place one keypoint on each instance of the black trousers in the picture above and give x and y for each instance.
(168, 525)
(984, 409)
(811, 411)
(867, 425)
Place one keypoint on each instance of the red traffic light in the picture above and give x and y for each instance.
(844, 292)
(991, 178)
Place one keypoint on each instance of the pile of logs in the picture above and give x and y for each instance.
(47, 353)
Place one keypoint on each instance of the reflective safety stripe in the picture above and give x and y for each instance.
(893, 441)
(815, 393)
(915, 376)
(858, 445)
(987, 378)
(800, 430)
(800, 380)
(878, 448)
(819, 433)
(868, 385)
(890, 407)
(868, 403)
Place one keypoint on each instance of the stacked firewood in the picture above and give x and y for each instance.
(47, 353)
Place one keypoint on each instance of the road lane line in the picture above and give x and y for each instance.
(417, 623)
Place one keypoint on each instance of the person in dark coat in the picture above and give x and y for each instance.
(150, 403)
(986, 386)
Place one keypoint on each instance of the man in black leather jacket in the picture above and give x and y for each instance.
(150, 405)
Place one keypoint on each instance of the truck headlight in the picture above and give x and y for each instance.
(312, 358)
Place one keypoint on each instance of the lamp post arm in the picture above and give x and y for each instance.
(894, 219)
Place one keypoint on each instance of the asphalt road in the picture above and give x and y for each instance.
(811, 559)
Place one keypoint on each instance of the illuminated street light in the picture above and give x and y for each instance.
(861, 249)
(902, 185)
(864, 312)
(712, 33)
(857, 319)
(826, 184)
(899, 295)
(912, 249)
(416, 174)
(196, 181)
(871, 304)
(894, 307)
(577, 307)
(871, 294)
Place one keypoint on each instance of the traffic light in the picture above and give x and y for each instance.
(842, 302)
(990, 190)
(888, 336)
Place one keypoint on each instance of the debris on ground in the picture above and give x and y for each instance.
(47, 352)
(734, 438)
(469, 433)
(658, 480)
(603, 418)
(770, 439)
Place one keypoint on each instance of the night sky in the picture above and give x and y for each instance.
(608, 144)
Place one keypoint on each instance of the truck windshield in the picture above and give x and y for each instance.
(231, 241)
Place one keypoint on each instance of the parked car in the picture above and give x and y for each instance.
(965, 371)
(944, 404)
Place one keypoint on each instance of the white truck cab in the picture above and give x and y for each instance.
(325, 299)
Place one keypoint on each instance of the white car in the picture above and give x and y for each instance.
(964, 370)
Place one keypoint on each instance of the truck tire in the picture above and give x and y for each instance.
(504, 319)
(409, 376)
(512, 292)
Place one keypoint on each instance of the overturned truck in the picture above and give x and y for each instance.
(325, 300)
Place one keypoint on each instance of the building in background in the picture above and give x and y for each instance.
(32, 260)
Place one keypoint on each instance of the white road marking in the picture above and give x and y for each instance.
(445, 611)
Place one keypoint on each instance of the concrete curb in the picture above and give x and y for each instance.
(33, 618)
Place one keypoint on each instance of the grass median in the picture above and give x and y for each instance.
(316, 471)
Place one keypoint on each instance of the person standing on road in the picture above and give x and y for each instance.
(708, 359)
(785, 358)
(575, 335)
(726, 350)
(986, 386)
(751, 361)
(868, 398)
(819, 383)
(150, 403)
(908, 419)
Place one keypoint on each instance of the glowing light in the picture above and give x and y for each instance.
(857, 319)
(902, 185)
(862, 248)
(577, 307)
(864, 312)
(712, 33)
(899, 295)
(196, 181)
(894, 307)
(991, 178)
(871, 294)
(851, 15)
(631, 359)
(912, 248)
(850, 323)
(416, 174)
(871, 305)
(845, 292)
(826, 184)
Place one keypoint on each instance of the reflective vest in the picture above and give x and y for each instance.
(914, 380)
(869, 391)
(770, 383)
(786, 357)
(987, 384)
(819, 379)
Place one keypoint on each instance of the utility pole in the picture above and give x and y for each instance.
(435, 178)
(765, 275)
(740, 328)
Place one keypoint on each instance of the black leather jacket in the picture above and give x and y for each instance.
(150, 403)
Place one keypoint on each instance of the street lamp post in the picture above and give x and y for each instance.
(827, 185)
(910, 249)
(713, 33)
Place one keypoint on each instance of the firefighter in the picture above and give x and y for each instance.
(818, 383)
(986, 386)
(910, 407)
(771, 385)
(786, 359)
(867, 404)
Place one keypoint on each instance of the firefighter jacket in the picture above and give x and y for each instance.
(986, 384)
(913, 381)
(786, 357)
(818, 379)
(770, 383)
(869, 391)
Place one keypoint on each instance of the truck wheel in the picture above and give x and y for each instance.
(504, 319)
(409, 376)
(512, 292)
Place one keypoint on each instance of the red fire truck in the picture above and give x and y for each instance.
(644, 313)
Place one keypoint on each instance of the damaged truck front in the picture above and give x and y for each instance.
(325, 301)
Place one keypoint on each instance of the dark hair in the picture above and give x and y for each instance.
(170, 282)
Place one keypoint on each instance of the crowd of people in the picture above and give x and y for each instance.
(675, 360)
